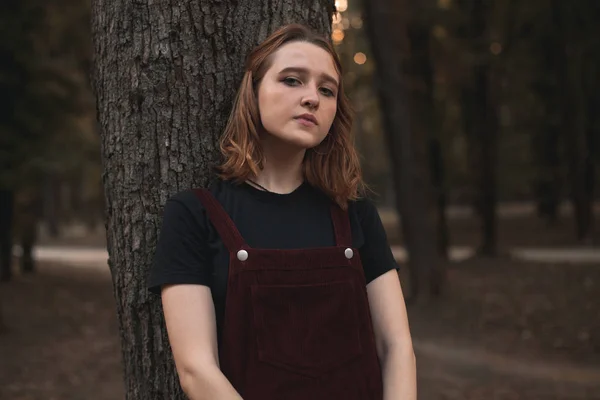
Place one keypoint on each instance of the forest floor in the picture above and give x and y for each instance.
(504, 329)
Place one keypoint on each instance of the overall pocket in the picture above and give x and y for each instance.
(306, 329)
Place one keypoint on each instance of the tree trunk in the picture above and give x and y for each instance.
(76, 184)
(546, 154)
(421, 74)
(481, 125)
(546, 139)
(572, 44)
(438, 179)
(7, 203)
(580, 161)
(165, 75)
(3, 327)
(387, 30)
(27, 216)
(28, 236)
(593, 140)
(50, 200)
(577, 73)
(488, 179)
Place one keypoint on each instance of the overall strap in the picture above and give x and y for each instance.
(341, 226)
(220, 219)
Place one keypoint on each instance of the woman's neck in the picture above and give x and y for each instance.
(282, 170)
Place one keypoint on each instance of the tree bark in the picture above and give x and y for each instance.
(386, 26)
(165, 74)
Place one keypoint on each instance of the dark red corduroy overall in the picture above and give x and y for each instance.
(297, 324)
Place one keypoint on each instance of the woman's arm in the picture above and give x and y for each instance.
(191, 326)
(392, 337)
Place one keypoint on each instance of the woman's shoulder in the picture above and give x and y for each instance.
(187, 203)
(363, 207)
(189, 197)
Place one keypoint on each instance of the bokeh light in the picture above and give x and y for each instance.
(356, 22)
(337, 36)
(341, 5)
(360, 58)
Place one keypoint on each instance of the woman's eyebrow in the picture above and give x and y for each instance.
(304, 71)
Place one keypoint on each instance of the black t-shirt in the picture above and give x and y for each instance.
(190, 251)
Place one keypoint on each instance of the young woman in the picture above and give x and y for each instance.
(277, 282)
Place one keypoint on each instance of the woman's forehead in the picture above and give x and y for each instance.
(305, 56)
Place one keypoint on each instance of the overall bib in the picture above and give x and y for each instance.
(297, 324)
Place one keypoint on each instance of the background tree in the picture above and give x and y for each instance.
(578, 45)
(479, 108)
(420, 75)
(543, 45)
(386, 27)
(165, 76)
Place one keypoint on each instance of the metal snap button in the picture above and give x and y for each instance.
(242, 255)
(348, 253)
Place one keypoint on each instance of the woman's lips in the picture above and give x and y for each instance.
(305, 121)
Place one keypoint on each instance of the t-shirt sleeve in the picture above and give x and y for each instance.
(375, 254)
(181, 255)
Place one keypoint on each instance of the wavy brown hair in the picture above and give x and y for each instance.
(332, 166)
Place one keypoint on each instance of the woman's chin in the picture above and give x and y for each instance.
(296, 139)
(304, 140)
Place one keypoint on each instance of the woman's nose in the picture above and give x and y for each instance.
(311, 98)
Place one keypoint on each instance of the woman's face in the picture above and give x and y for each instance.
(297, 97)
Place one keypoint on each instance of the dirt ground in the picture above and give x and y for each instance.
(61, 337)
(519, 308)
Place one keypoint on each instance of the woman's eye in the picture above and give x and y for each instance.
(291, 81)
(327, 92)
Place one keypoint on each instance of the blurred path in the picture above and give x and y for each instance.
(447, 372)
(481, 361)
(84, 257)
(98, 257)
(567, 255)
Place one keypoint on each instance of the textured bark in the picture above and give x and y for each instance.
(165, 74)
(386, 27)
